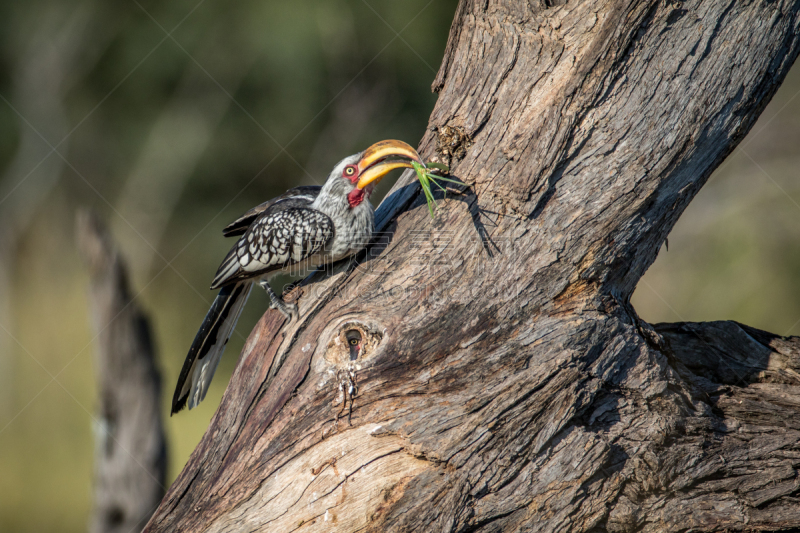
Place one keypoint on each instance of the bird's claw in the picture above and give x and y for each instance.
(290, 311)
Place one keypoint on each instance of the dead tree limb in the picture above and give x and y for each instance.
(130, 453)
(509, 384)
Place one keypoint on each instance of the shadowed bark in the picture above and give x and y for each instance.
(506, 383)
(131, 450)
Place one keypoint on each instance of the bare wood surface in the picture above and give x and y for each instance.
(130, 452)
(509, 384)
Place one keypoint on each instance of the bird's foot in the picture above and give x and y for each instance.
(290, 311)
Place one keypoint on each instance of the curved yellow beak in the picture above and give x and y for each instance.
(378, 160)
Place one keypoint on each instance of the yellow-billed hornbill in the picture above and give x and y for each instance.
(304, 228)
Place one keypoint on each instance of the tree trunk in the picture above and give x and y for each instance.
(130, 450)
(506, 383)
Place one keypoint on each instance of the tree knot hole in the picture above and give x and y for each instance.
(352, 344)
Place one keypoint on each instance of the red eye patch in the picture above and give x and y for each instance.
(350, 172)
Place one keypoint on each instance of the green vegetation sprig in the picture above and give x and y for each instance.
(427, 179)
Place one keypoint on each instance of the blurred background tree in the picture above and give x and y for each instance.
(172, 119)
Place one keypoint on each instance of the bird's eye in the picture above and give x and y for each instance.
(353, 342)
(349, 171)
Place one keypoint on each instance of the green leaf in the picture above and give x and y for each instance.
(438, 166)
(457, 182)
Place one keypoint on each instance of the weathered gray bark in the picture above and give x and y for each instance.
(130, 454)
(509, 385)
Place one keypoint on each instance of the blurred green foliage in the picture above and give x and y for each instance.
(174, 118)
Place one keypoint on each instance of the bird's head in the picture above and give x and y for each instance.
(358, 174)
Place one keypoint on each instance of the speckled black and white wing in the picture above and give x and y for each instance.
(301, 196)
(279, 238)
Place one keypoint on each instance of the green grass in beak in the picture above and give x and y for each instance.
(428, 179)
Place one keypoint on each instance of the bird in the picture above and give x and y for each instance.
(305, 228)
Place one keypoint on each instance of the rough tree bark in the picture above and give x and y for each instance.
(506, 383)
(131, 451)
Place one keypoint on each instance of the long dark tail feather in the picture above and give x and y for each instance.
(208, 345)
